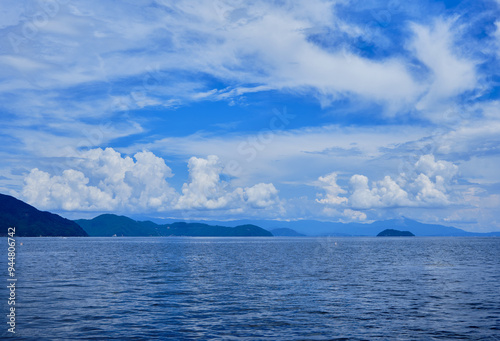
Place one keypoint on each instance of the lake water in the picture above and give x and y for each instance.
(179, 288)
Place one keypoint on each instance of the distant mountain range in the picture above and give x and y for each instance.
(30, 222)
(286, 232)
(108, 225)
(322, 228)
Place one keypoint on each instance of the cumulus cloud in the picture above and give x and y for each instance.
(428, 192)
(103, 180)
(384, 193)
(329, 184)
(361, 194)
(70, 191)
(205, 189)
(428, 165)
(426, 186)
(261, 195)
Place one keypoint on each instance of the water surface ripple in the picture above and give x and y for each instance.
(179, 288)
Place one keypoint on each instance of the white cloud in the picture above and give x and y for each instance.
(391, 194)
(409, 190)
(206, 190)
(362, 196)
(428, 192)
(257, 46)
(277, 155)
(92, 61)
(329, 184)
(433, 169)
(451, 75)
(261, 195)
(384, 193)
(286, 59)
(247, 43)
(103, 180)
(68, 192)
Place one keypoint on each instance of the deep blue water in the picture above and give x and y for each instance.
(179, 288)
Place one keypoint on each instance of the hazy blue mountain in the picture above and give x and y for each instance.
(30, 222)
(395, 233)
(322, 228)
(420, 229)
(286, 232)
(108, 225)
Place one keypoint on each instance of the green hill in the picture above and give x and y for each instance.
(30, 222)
(108, 225)
(204, 230)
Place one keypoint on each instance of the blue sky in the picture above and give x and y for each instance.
(328, 110)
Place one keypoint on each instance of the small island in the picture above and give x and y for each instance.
(395, 233)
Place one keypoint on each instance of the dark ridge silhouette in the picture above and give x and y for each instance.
(30, 222)
(395, 233)
(108, 225)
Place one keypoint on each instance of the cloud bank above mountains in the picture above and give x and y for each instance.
(139, 184)
(104, 180)
(334, 110)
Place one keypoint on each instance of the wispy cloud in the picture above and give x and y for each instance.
(260, 43)
(371, 89)
(450, 75)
